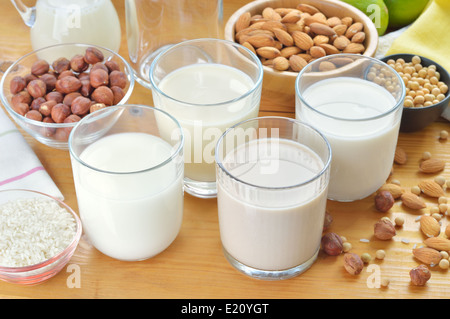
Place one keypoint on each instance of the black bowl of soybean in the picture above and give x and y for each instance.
(417, 118)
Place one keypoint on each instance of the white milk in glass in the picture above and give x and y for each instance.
(363, 150)
(129, 216)
(199, 87)
(266, 236)
(76, 21)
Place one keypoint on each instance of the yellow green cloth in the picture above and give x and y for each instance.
(429, 35)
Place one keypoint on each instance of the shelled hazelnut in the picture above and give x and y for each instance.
(53, 92)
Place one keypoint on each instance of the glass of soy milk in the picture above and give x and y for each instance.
(272, 182)
(356, 102)
(129, 180)
(208, 85)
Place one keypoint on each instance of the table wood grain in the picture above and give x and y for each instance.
(194, 265)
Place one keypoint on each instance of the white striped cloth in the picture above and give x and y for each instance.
(19, 165)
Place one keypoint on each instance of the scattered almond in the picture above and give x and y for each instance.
(400, 156)
(431, 188)
(427, 255)
(432, 165)
(438, 243)
(412, 201)
(429, 226)
(394, 189)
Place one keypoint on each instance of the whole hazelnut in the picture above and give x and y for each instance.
(99, 65)
(21, 97)
(17, 84)
(46, 107)
(21, 108)
(96, 106)
(34, 115)
(68, 98)
(65, 73)
(420, 275)
(60, 112)
(332, 244)
(384, 201)
(353, 263)
(103, 94)
(30, 77)
(118, 78)
(112, 65)
(40, 67)
(384, 230)
(118, 94)
(49, 80)
(83, 76)
(60, 65)
(80, 105)
(68, 84)
(54, 96)
(86, 88)
(93, 55)
(37, 88)
(36, 103)
(78, 64)
(98, 78)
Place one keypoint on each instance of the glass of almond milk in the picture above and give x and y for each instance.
(129, 180)
(208, 85)
(272, 183)
(356, 102)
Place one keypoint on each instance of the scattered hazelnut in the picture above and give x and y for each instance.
(384, 201)
(353, 263)
(385, 282)
(332, 244)
(384, 230)
(420, 275)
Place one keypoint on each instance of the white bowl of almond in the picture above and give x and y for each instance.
(288, 34)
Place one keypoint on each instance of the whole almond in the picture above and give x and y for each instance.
(319, 28)
(288, 51)
(429, 226)
(325, 66)
(447, 231)
(297, 63)
(412, 201)
(315, 19)
(427, 255)
(243, 21)
(354, 48)
(340, 29)
(317, 52)
(321, 39)
(261, 40)
(341, 42)
(284, 37)
(268, 52)
(329, 49)
(438, 243)
(334, 21)
(431, 188)
(302, 40)
(280, 63)
(432, 165)
(400, 156)
(249, 46)
(271, 14)
(347, 21)
(353, 29)
(359, 37)
(394, 189)
(291, 17)
(307, 8)
(271, 25)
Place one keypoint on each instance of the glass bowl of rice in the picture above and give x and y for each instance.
(38, 236)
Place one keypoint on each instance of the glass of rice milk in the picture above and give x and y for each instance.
(129, 180)
(272, 183)
(208, 85)
(357, 103)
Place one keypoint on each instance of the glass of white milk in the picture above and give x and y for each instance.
(357, 103)
(129, 180)
(272, 182)
(208, 85)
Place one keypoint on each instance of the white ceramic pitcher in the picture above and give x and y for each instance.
(71, 21)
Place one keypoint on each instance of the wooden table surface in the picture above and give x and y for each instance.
(194, 266)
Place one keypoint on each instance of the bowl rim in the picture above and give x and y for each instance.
(6, 103)
(229, 29)
(70, 247)
(429, 61)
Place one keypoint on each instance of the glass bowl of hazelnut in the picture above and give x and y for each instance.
(49, 90)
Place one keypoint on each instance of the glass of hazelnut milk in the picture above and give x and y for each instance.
(71, 21)
(357, 103)
(272, 182)
(128, 180)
